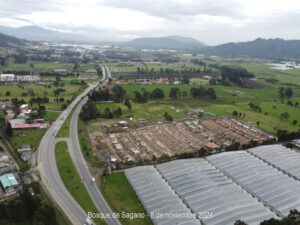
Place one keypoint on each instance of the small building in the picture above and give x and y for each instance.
(5, 105)
(7, 77)
(24, 109)
(8, 180)
(27, 126)
(212, 145)
(60, 71)
(206, 77)
(25, 148)
(161, 80)
(91, 71)
(121, 82)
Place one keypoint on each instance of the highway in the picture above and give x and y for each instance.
(49, 172)
(82, 167)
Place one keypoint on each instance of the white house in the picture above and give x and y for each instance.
(7, 77)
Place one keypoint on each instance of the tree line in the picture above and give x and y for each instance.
(161, 70)
(29, 207)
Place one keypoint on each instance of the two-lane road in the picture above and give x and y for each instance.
(82, 168)
(49, 172)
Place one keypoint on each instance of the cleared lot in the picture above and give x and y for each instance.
(147, 141)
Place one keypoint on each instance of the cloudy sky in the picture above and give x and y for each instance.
(212, 22)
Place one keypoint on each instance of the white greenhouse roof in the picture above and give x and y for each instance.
(206, 189)
(285, 159)
(276, 189)
(157, 196)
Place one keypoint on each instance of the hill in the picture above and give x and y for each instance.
(169, 42)
(36, 33)
(277, 49)
(9, 41)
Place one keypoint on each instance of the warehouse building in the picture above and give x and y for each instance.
(8, 180)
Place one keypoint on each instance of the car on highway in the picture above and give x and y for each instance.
(88, 221)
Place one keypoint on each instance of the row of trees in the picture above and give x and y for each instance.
(201, 92)
(190, 70)
(255, 107)
(285, 92)
(119, 94)
(232, 75)
(91, 112)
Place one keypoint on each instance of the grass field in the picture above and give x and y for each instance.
(64, 130)
(122, 198)
(227, 101)
(85, 146)
(32, 137)
(71, 179)
(51, 116)
(43, 66)
(41, 91)
(153, 110)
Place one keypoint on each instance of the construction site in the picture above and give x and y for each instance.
(125, 142)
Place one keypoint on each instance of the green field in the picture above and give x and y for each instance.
(64, 130)
(32, 137)
(122, 198)
(41, 91)
(72, 180)
(227, 101)
(43, 66)
(85, 145)
(51, 116)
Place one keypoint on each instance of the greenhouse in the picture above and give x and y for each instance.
(278, 190)
(209, 193)
(285, 159)
(159, 200)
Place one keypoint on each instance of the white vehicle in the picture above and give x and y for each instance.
(88, 221)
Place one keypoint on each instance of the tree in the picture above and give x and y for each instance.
(285, 115)
(289, 92)
(168, 117)
(174, 92)
(128, 104)
(108, 113)
(157, 94)
(235, 113)
(89, 111)
(45, 214)
(118, 93)
(8, 130)
(211, 93)
(185, 80)
(117, 112)
(281, 92)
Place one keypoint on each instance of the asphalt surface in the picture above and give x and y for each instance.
(49, 172)
(82, 167)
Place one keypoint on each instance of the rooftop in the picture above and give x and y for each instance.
(8, 180)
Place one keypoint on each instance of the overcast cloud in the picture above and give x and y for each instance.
(212, 22)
